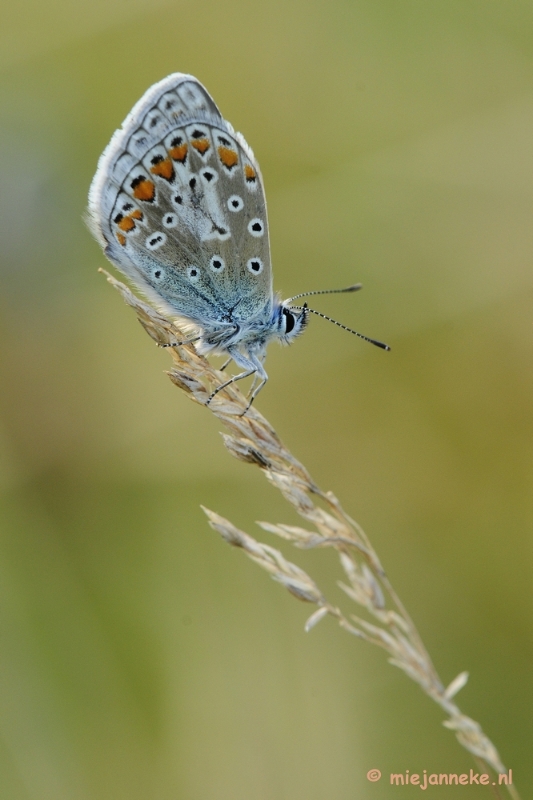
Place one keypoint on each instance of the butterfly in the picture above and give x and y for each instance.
(178, 205)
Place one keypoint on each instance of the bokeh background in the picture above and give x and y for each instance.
(140, 657)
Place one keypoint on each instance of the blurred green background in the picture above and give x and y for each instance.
(140, 657)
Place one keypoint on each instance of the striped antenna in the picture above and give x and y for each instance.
(354, 288)
(305, 308)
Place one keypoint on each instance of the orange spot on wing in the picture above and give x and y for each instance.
(144, 190)
(164, 169)
(249, 173)
(202, 145)
(121, 238)
(137, 214)
(179, 153)
(228, 157)
(126, 224)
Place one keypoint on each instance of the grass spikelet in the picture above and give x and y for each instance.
(252, 439)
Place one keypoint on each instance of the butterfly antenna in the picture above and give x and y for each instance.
(305, 308)
(354, 288)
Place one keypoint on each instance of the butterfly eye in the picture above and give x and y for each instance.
(156, 240)
(255, 266)
(193, 274)
(158, 274)
(256, 227)
(170, 220)
(289, 320)
(235, 203)
(217, 264)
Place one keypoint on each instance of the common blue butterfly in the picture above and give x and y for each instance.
(178, 205)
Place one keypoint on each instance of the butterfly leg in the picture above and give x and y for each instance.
(258, 376)
(252, 387)
(238, 377)
(242, 361)
(254, 395)
(225, 364)
(261, 376)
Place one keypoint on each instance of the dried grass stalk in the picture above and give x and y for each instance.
(252, 439)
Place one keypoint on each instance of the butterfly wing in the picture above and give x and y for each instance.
(178, 205)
